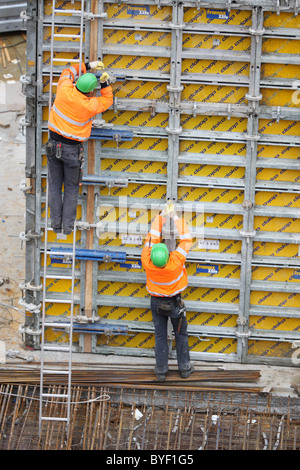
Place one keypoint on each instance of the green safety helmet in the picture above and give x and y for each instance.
(159, 255)
(87, 82)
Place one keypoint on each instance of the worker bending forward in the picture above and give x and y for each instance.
(70, 125)
(166, 279)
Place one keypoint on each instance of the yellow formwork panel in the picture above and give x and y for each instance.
(139, 143)
(208, 123)
(240, 69)
(275, 299)
(215, 148)
(270, 348)
(134, 340)
(275, 249)
(148, 13)
(284, 20)
(216, 42)
(127, 166)
(217, 16)
(283, 127)
(215, 94)
(140, 89)
(213, 345)
(277, 151)
(131, 37)
(188, 193)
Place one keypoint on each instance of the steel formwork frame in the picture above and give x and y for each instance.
(174, 133)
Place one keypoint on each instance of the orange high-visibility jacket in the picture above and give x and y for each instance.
(72, 111)
(172, 278)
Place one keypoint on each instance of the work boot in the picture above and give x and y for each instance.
(161, 377)
(186, 373)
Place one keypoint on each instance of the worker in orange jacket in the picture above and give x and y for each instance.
(166, 278)
(70, 124)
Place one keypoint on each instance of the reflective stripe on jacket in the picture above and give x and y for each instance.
(171, 279)
(72, 112)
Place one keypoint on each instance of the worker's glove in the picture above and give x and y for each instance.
(168, 209)
(97, 65)
(104, 80)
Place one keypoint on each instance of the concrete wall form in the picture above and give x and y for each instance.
(206, 112)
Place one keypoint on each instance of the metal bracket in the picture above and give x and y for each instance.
(276, 114)
(31, 287)
(247, 204)
(29, 331)
(89, 16)
(32, 308)
(26, 237)
(174, 131)
(24, 185)
(243, 334)
(253, 98)
(247, 235)
(83, 225)
(257, 32)
(101, 124)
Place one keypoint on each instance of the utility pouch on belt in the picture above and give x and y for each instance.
(49, 146)
(58, 152)
(173, 307)
(164, 308)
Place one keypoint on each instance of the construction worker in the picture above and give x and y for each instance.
(70, 124)
(166, 279)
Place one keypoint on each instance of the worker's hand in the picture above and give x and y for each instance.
(104, 77)
(97, 65)
(104, 80)
(168, 208)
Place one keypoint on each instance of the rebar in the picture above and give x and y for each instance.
(111, 418)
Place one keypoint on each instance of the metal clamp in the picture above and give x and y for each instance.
(29, 331)
(31, 287)
(83, 225)
(24, 185)
(243, 334)
(257, 32)
(32, 308)
(247, 235)
(28, 236)
(253, 98)
(174, 131)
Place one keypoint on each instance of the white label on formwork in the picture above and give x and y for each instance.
(132, 239)
(208, 244)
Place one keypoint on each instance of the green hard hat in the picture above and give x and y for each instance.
(87, 82)
(159, 255)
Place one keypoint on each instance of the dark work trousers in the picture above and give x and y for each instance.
(161, 339)
(63, 171)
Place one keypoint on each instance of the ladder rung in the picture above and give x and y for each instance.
(64, 60)
(56, 395)
(62, 253)
(56, 348)
(48, 418)
(66, 35)
(57, 10)
(52, 371)
(57, 325)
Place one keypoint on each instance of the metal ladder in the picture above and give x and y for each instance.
(62, 398)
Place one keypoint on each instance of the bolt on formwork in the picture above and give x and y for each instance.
(117, 418)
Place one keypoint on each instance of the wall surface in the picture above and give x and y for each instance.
(206, 113)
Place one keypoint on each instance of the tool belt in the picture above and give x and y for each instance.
(54, 148)
(171, 307)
